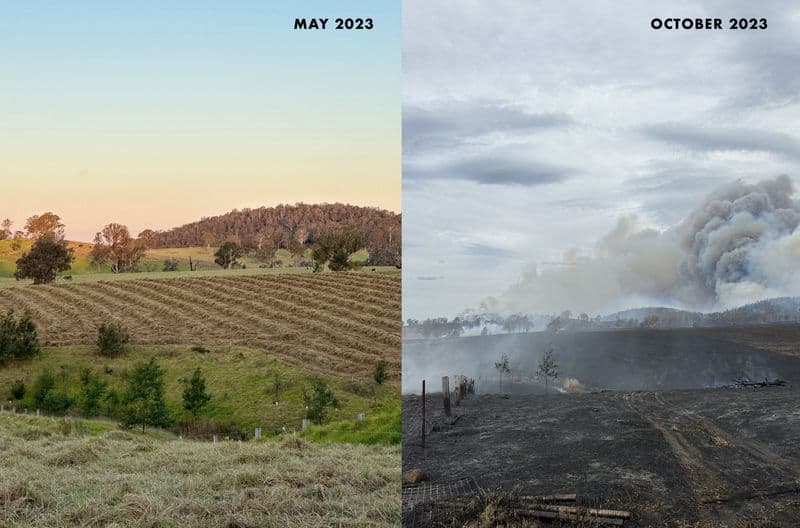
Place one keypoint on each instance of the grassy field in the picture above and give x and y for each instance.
(153, 262)
(334, 323)
(52, 475)
(240, 381)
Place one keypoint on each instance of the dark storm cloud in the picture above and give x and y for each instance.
(705, 139)
(494, 170)
(450, 124)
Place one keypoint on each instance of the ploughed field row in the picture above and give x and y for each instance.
(337, 323)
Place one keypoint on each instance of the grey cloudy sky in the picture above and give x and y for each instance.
(531, 128)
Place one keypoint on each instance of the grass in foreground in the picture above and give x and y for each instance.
(115, 478)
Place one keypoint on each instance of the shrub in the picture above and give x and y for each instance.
(319, 400)
(111, 339)
(112, 403)
(93, 390)
(195, 396)
(380, 375)
(18, 337)
(18, 390)
(171, 264)
(47, 397)
(143, 400)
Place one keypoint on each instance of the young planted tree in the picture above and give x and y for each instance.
(502, 367)
(548, 368)
(380, 375)
(319, 401)
(18, 389)
(18, 337)
(46, 396)
(112, 339)
(227, 254)
(92, 393)
(195, 396)
(143, 399)
(48, 257)
(277, 385)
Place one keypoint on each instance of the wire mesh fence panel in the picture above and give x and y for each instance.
(419, 500)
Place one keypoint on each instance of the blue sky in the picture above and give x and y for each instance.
(221, 103)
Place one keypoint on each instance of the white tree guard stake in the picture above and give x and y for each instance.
(305, 423)
(361, 416)
(258, 433)
(216, 439)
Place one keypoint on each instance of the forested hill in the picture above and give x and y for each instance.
(286, 226)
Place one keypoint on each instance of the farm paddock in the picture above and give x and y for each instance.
(682, 458)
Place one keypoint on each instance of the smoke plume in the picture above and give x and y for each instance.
(741, 244)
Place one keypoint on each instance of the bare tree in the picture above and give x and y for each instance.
(548, 368)
(502, 366)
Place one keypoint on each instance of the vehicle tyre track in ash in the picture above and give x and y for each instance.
(726, 471)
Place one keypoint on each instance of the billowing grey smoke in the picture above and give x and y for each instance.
(740, 245)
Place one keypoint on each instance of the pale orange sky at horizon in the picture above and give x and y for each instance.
(157, 192)
(154, 115)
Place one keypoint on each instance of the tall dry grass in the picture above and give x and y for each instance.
(122, 479)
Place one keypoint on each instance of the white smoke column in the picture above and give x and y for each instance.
(740, 245)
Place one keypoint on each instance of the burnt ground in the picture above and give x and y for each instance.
(682, 458)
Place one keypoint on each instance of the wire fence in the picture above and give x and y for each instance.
(306, 428)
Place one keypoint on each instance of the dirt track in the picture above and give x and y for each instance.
(715, 457)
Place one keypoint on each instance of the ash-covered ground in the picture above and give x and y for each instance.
(701, 458)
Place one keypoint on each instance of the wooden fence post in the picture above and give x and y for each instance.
(423, 413)
(446, 394)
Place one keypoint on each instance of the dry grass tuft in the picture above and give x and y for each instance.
(293, 441)
(125, 479)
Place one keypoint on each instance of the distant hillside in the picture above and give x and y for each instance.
(780, 310)
(287, 226)
(777, 310)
